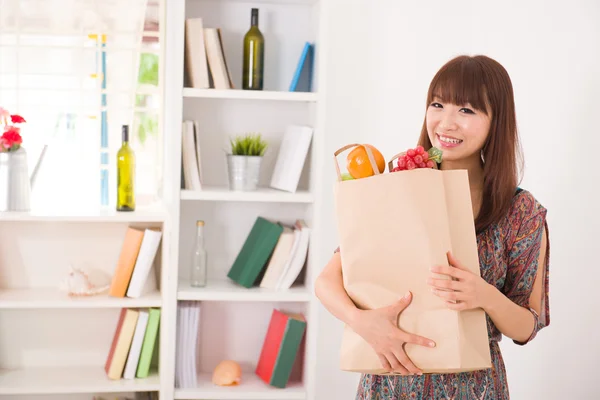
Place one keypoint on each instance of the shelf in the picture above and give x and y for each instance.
(267, 195)
(251, 387)
(102, 214)
(53, 380)
(53, 298)
(230, 291)
(236, 94)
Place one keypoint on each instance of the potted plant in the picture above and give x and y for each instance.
(244, 161)
(14, 176)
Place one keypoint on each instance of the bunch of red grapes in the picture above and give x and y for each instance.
(414, 158)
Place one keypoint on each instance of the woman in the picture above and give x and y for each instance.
(471, 117)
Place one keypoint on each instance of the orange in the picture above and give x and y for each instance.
(358, 165)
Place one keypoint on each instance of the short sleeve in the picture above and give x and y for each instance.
(528, 223)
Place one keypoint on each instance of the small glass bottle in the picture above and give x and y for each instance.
(199, 266)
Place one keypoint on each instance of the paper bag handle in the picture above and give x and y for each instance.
(369, 154)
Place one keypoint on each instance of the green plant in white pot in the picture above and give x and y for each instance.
(244, 161)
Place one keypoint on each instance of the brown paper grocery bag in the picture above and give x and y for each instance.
(392, 228)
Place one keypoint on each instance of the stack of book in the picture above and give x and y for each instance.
(272, 256)
(188, 322)
(133, 275)
(280, 351)
(133, 346)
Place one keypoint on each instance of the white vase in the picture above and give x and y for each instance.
(15, 187)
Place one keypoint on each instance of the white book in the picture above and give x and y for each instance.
(198, 151)
(143, 264)
(291, 158)
(195, 54)
(136, 345)
(189, 156)
(294, 267)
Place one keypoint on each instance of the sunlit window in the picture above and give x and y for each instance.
(77, 70)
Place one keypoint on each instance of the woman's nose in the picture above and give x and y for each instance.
(448, 121)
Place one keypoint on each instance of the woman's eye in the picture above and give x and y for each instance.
(467, 110)
(436, 105)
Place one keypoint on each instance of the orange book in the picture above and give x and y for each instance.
(126, 263)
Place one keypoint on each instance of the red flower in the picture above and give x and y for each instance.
(11, 136)
(17, 119)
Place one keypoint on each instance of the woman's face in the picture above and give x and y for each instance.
(459, 131)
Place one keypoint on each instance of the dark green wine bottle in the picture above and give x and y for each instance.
(254, 55)
(125, 174)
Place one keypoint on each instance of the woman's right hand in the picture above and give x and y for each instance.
(378, 328)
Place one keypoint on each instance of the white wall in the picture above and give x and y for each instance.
(382, 55)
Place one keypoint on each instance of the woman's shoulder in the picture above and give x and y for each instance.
(525, 204)
(525, 207)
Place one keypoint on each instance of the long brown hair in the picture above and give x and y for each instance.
(485, 84)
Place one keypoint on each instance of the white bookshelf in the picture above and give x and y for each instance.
(55, 346)
(234, 319)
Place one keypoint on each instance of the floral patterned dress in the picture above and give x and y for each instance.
(508, 258)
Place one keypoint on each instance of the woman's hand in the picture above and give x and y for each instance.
(464, 291)
(379, 328)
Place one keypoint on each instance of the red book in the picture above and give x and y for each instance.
(280, 347)
(115, 340)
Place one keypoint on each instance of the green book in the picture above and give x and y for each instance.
(255, 253)
(288, 352)
(148, 346)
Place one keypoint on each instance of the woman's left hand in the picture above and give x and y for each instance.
(464, 291)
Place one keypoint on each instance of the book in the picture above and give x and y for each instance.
(291, 158)
(216, 59)
(279, 258)
(136, 345)
(143, 265)
(126, 263)
(302, 80)
(121, 343)
(297, 259)
(149, 343)
(256, 251)
(196, 63)
(280, 347)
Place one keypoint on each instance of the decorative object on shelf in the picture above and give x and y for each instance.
(125, 174)
(244, 162)
(254, 55)
(227, 373)
(199, 259)
(15, 183)
(79, 283)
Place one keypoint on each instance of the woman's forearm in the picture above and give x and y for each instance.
(512, 320)
(329, 289)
